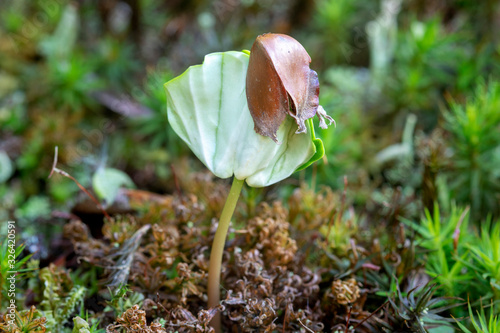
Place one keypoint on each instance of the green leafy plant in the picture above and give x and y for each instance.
(440, 237)
(153, 126)
(485, 252)
(67, 71)
(207, 108)
(483, 323)
(122, 299)
(116, 61)
(6, 167)
(207, 124)
(423, 56)
(338, 16)
(107, 181)
(343, 93)
(81, 325)
(86, 276)
(60, 297)
(475, 140)
(5, 267)
(417, 310)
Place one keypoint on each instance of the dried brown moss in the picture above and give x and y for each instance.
(134, 321)
(266, 282)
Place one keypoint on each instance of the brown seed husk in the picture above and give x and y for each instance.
(266, 95)
(279, 81)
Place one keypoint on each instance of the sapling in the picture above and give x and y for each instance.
(231, 112)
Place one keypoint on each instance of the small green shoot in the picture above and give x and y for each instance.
(5, 268)
(441, 237)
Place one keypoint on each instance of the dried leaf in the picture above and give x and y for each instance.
(266, 95)
(279, 81)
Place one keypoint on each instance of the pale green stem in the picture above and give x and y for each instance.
(214, 270)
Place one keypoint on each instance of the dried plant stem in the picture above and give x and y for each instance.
(67, 175)
(214, 270)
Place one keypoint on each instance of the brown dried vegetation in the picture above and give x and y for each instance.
(268, 285)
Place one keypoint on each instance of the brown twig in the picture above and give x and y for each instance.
(176, 181)
(348, 320)
(67, 175)
(371, 314)
(285, 319)
(307, 328)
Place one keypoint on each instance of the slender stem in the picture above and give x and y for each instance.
(214, 270)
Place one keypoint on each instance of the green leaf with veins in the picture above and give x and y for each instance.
(207, 108)
(107, 181)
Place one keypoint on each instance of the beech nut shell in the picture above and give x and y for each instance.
(280, 82)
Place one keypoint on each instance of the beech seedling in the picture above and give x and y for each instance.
(231, 112)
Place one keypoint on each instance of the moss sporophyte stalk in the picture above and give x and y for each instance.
(231, 112)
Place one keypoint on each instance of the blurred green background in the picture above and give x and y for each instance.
(412, 84)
